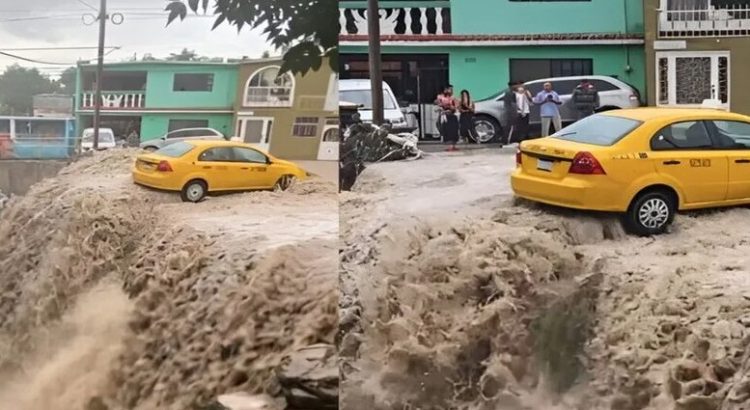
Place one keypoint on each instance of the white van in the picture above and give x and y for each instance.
(106, 139)
(359, 92)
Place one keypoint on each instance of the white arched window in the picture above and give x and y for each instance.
(266, 88)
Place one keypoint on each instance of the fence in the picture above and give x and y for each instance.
(729, 21)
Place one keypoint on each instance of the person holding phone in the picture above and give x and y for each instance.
(550, 102)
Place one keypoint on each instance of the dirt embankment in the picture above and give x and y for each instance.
(118, 297)
(471, 300)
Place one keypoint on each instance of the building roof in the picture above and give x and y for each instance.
(502, 39)
(159, 62)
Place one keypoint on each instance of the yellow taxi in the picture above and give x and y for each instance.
(646, 163)
(196, 168)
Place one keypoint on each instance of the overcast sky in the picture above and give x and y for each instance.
(58, 23)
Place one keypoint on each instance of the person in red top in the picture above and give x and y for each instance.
(448, 119)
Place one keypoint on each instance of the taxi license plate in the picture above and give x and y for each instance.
(146, 166)
(544, 165)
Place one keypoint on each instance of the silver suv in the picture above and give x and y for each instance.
(613, 94)
(184, 134)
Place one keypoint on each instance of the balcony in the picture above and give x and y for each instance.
(714, 19)
(424, 18)
(114, 100)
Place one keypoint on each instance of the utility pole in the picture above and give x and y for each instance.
(99, 69)
(376, 74)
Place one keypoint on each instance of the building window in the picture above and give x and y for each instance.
(687, 78)
(181, 124)
(305, 127)
(332, 97)
(266, 88)
(193, 82)
(531, 69)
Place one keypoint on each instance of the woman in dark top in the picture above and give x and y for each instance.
(466, 120)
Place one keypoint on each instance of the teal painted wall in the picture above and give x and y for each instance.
(160, 93)
(489, 73)
(156, 125)
(522, 17)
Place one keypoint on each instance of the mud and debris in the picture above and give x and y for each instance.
(457, 296)
(119, 297)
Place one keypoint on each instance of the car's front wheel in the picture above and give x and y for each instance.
(487, 129)
(284, 183)
(194, 191)
(651, 213)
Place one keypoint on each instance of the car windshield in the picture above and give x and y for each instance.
(104, 136)
(176, 150)
(364, 97)
(600, 129)
(496, 95)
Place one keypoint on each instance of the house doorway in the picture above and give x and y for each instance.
(256, 131)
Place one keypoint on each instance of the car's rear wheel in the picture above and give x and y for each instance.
(150, 149)
(651, 213)
(194, 191)
(284, 183)
(487, 129)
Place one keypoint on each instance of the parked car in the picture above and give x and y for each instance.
(198, 167)
(184, 134)
(490, 117)
(106, 139)
(645, 163)
(359, 92)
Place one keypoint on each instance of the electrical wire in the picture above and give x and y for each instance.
(31, 60)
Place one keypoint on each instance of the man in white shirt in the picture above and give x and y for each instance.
(520, 126)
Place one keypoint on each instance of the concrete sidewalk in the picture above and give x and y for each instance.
(327, 170)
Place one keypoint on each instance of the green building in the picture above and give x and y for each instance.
(154, 97)
(480, 45)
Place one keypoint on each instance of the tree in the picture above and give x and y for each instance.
(306, 30)
(266, 54)
(67, 81)
(184, 55)
(18, 86)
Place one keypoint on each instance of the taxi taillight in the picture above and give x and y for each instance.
(164, 167)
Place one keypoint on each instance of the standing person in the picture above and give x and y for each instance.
(509, 104)
(466, 119)
(448, 120)
(520, 128)
(585, 99)
(549, 101)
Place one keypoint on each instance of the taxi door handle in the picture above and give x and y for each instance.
(673, 162)
(742, 161)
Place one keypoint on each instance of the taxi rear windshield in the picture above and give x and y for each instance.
(176, 150)
(603, 130)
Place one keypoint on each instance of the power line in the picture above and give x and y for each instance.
(88, 5)
(54, 48)
(31, 60)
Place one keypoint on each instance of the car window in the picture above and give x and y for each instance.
(364, 98)
(176, 150)
(176, 134)
(682, 135)
(599, 129)
(564, 87)
(249, 155)
(219, 154)
(602, 85)
(732, 134)
(534, 88)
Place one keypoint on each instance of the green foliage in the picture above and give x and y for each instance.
(67, 82)
(185, 55)
(18, 86)
(306, 30)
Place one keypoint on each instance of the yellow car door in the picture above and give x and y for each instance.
(218, 165)
(733, 138)
(683, 153)
(254, 170)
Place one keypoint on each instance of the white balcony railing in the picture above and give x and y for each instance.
(712, 21)
(115, 100)
(404, 20)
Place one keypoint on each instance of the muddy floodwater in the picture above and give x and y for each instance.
(457, 296)
(114, 296)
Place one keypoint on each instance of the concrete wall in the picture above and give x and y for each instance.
(17, 176)
(536, 17)
(160, 92)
